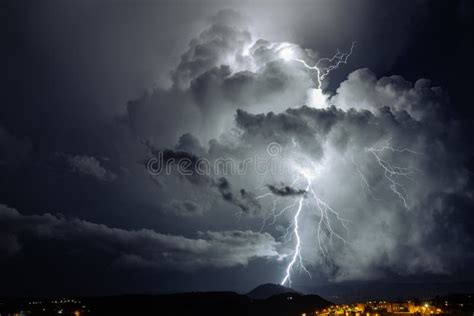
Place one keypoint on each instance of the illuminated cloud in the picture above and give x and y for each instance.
(144, 247)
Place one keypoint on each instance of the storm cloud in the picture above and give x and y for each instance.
(144, 246)
(285, 191)
(90, 166)
(344, 146)
(348, 140)
(384, 147)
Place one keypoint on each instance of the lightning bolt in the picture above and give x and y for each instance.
(392, 173)
(331, 226)
(325, 229)
(326, 232)
(297, 250)
(363, 180)
(322, 72)
(325, 212)
(329, 218)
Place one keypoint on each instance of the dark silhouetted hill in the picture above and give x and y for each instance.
(205, 303)
(267, 290)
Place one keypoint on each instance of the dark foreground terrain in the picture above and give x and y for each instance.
(266, 299)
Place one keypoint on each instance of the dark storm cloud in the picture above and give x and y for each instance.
(142, 247)
(189, 167)
(251, 205)
(367, 113)
(90, 166)
(285, 191)
(280, 128)
(244, 200)
(184, 208)
(67, 78)
(224, 188)
(183, 162)
(188, 142)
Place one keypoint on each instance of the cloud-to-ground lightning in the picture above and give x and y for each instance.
(297, 250)
(326, 230)
(301, 203)
(330, 221)
(323, 67)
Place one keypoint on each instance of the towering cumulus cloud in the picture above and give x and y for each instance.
(224, 69)
(381, 150)
(243, 158)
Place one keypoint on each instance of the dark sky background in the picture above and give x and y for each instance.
(91, 89)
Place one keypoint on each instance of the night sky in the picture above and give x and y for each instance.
(376, 161)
